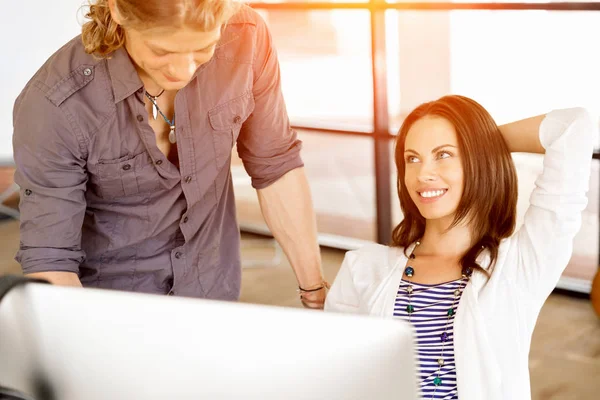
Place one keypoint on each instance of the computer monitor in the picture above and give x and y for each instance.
(65, 343)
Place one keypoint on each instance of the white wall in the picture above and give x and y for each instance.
(520, 64)
(31, 31)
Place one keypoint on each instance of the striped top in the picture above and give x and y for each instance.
(431, 305)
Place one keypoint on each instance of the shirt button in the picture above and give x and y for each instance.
(158, 162)
(178, 255)
(237, 119)
(188, 179)
(87, 71)
(140, 118)
(185, 220)
(27, 192)
(126, 167)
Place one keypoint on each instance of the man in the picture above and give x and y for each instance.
(122, 142)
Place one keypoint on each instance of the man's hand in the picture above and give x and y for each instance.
(314, 298)
(58, 278)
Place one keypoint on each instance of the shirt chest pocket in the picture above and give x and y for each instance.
(126, 176)
(226, 122)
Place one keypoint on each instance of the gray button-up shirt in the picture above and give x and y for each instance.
(99, 198)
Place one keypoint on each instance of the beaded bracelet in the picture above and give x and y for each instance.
(314, 304)
(324, 285)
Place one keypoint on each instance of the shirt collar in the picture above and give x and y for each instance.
(124, 77)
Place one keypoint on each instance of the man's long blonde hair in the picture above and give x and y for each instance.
(102, 35)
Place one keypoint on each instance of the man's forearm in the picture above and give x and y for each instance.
(58, 278)
(288, 210)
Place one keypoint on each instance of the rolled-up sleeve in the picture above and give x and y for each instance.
(50, 160)
(267, 145)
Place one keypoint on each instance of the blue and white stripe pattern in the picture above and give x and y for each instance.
(430, 319)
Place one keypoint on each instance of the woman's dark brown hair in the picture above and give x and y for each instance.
(489, 201)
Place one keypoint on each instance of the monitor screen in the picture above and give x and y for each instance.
(72, 344)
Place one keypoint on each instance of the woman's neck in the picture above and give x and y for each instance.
(438, 241)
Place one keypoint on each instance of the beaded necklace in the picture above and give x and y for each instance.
(409, 271)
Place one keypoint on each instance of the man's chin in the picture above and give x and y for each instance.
(167, 84)
(173, 85)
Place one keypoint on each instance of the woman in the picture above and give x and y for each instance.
(122, 142)
(472, 287)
